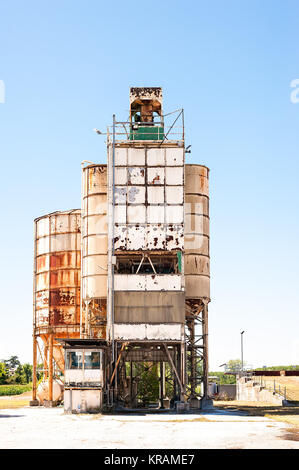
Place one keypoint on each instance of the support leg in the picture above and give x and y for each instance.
(162, 384)
(34, 401)
(50, 378)
(205, 351)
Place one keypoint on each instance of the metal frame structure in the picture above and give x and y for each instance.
(194, 366)
(187, 354)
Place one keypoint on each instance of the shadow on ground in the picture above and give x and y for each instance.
(260, 410)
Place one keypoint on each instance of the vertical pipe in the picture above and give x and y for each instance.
(34, 318)
(81, 244)
(51, 367)
(112, 247)
(192, 358)
(183, 368)
(111, 203)
(131, 384)
(34, 368)
(162, 384)
(205, 351)
(242, 363)
(46, 361)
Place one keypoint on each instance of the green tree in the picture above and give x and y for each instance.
(3, 373)
(234, 365)
(19, 375)
(27, 370)
(148, 382)
(13, 362)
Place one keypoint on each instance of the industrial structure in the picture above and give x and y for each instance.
(121, 287)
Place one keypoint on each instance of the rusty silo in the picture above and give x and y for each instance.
(197, 272)
(94, 251)
(144, 266)
(56, 296)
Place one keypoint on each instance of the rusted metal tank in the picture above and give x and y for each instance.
(43, 390)
(94, 250)
(197, 255)
(57, 267)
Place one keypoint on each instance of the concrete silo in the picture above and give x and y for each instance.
(145, 274)
(56, 292)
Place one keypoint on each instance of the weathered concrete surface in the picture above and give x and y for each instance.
(248, 390)
(50, 428)
(227, 391)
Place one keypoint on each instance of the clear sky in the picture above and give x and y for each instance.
(67, 67)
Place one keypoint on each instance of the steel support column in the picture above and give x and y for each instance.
(34, 381)
(50, 379)
(205, 351)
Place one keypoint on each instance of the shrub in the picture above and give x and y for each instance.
(14, 389)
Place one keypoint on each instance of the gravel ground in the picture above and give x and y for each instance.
(50, 428)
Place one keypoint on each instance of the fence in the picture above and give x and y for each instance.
(270, 385)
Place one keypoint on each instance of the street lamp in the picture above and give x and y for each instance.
(242, 350)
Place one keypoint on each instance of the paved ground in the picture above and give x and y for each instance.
(50, 428)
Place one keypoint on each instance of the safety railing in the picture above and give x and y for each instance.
(160, 131)
(271, 385)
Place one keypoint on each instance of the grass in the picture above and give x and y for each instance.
(291, 384)
(290, 419)
(14, 389)
(289, 415)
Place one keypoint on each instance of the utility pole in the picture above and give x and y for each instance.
(242, 366)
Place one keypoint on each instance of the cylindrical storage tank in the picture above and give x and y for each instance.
(94, 250)
(43, 390)
(196, 232)
(57, 267)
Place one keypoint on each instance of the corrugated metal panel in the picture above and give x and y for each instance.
(149, 198)
(163, 332)
(174, 214)
(149, 307)
(174, 194)
(155, 195)
(135, 156)
(57, 266)
(157, 236)
(136, 214)
(197, 261)
(136, 236)
(136, 175)
(155, 157)
(95, 248)
(147, 282)
(156, 176)
(174, 176)
(174, 156)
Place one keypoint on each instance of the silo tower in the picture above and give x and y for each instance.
(138, 335)
(56, 296)
(146, 257)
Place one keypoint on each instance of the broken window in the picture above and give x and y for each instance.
(145, 264)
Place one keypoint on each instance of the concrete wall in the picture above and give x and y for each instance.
(227, 391)
(247, 390)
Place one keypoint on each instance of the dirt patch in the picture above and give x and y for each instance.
(15, 401)
(291, 435)
(286, 418)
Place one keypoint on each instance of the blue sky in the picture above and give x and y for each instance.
(67, 67)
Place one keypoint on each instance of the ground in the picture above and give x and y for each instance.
(231, 425)
(291, 384)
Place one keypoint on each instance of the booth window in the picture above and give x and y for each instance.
(74, 360)
(92, 360)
